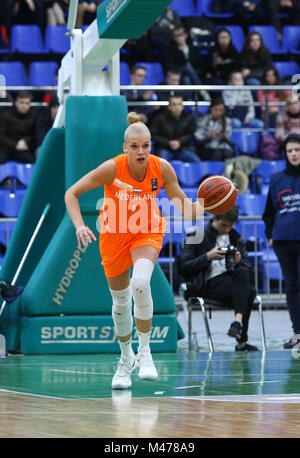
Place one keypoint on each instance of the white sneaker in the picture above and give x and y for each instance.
(122, 378)
(147, 368)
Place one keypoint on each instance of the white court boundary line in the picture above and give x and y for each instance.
(264, 399)
(292, 398)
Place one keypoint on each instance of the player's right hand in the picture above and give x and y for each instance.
(84, 236)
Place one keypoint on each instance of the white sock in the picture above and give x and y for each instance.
(144, 339)
(126, 350)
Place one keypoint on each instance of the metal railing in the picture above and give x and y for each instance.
(185, 88)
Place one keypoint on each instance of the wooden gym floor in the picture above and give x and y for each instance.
(224, 394)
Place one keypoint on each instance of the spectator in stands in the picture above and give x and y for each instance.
(6, 14)
(239, 104)
(138, 51)
(184, 56)
(138, 74)
(213, 133)
(45, 121)
(249, 12)
(288, 121)
(55, 11)
(5, 97)
(172, 131)
(274, 7)
(17, 131)
(255, 58)
(269, 112)
(160, 33)
(88, 7)
(223, 59)
(32, 11)
(221, 7)
(173, 77)
(204, 267)
(282, 220)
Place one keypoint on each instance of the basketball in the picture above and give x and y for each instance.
(219, 194)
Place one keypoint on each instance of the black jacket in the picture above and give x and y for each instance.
(14, 126)
(177, 59)
(194, 266)
(165, 128)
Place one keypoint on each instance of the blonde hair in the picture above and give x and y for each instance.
(291, 98)
(136, 126)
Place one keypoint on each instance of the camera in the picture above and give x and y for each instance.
(230, 258)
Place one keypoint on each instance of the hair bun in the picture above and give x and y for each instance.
(133, 117)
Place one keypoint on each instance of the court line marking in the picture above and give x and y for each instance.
(281, 399)
(205, 376)
(30, 394)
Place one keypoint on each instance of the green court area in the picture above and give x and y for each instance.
(180, 375)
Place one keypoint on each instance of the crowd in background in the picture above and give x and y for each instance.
(191, 51)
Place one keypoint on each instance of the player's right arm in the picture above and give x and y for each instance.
(105, 173)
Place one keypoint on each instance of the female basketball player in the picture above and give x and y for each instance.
(132, 232)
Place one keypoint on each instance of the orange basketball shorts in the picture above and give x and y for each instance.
(116, 249)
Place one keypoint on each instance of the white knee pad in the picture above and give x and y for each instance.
(141, 291)
(122, 311)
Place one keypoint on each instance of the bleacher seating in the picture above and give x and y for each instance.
(56, 40)
(291, 38)
(10, 202)
(184, 8)
(261, 176)
(18, 174)
(27, 39)
(14, 73)
(251, 204)
(245, 141)
(270, 38)
(124, 73)
(203, 109)
(287, 69)
(155, 73)
(191, 173)
(42, 73)
(205, 6)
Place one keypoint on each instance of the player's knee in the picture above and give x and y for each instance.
(122, 311)
(140, 287)
(143, 304)
(121, 297)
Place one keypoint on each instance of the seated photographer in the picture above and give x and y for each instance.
(218, 268)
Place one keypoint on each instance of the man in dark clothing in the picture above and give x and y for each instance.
(208, 273)
(138, 74)
(273, 9)
(17, 131)
(182, 54)
(172, 131)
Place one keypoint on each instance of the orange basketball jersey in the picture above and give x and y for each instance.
(129, 205)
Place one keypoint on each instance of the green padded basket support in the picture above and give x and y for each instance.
(69, 281)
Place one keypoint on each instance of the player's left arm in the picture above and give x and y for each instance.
(190, 210)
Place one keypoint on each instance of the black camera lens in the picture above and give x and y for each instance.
(230, 258)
